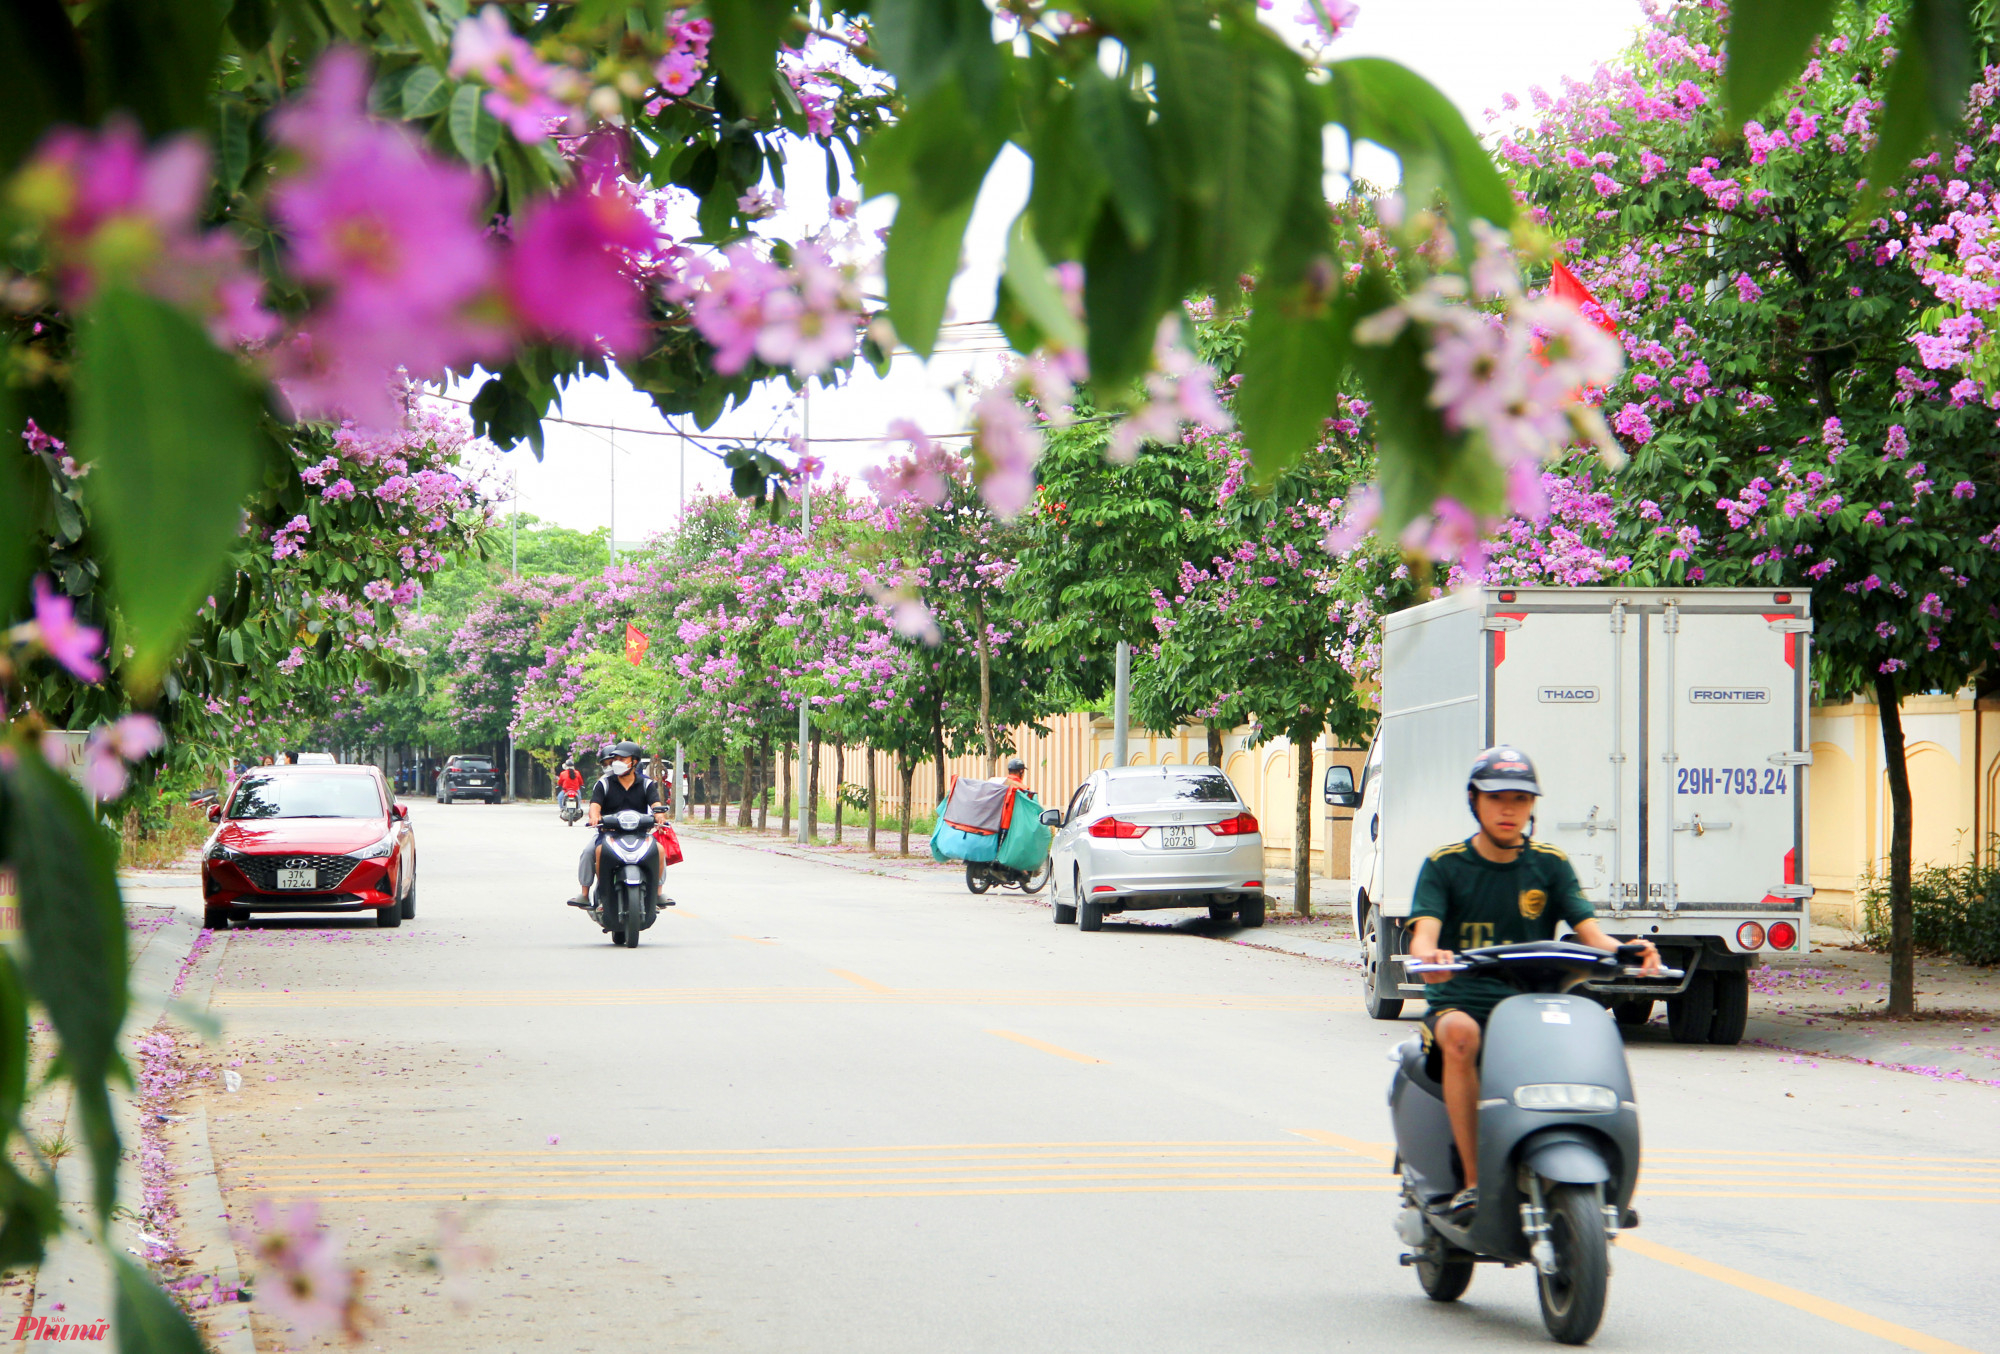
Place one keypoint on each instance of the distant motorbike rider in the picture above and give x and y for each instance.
(569, 781)
(622, 788)
(1497, 887)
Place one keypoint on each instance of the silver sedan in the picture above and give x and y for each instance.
(1136, 838)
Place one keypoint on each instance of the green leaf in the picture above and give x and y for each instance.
(503, 412)
(1387, 103)
(1296, 352)
(156, 58)
(1027, 283)
(425, 93)
(1069, 183)
(13, 1041)
(1126, 286)
(232, 143)
(41, 75)
(745, 46)
(251, 23)
(147, 1320)
(1113, 127)
(74, 932)
(1940, 28)
(1767, 45)
(474, 131)
(16, 519)
(918, 266)
(169, 427)
(924, 42)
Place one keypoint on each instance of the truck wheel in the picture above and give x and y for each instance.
(1373, 951)
(1690, 1014)
(1732, 1007)
(1250, 912)
(1632, 1011)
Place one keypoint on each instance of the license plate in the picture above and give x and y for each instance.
(298, 879)
(1177, 838)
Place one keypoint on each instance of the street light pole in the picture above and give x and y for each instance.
(1121, 704)
(680, 749)
(805, 720)
(613, 533)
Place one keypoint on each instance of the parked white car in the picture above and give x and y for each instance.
(1139, 838)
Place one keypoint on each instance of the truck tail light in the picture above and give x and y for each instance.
(1117, 827)
(1782, 935)
(1235, 827)
(1750, 935)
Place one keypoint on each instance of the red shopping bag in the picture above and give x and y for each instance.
(670, 844)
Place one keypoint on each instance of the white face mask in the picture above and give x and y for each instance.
(621, 767)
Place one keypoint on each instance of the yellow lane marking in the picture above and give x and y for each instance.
(865, 984)
(755, 940)
(865, 991)
(1374, 1151)
(1827, 1310)
(622, 1153)
(1046, 1047)
(405, 1196)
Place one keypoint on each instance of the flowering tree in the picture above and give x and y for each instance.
(1784, 426)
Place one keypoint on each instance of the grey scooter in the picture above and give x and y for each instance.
(1558, 1138)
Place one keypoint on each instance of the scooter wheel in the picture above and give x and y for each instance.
(977, 879)
(1573, 1296)
(1444, 1280)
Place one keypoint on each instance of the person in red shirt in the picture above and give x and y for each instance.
(1017, 772)
(569, 782)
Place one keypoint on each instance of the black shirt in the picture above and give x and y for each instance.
(613, 797)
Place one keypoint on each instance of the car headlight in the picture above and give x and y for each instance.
(1562, 1095)
(385, 847)
(221, 852)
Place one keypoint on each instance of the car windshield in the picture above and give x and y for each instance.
(305, 797)
(473, 764)
(1211, 787)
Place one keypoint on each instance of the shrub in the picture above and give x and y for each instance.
(1955, 910)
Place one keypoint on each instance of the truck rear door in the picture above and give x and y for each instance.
(1565, 684)
(1728, 803)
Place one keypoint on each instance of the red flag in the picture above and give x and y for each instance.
(1563, 283)
(635, 643)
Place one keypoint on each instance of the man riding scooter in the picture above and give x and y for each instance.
(1496, 887)
(621, 788)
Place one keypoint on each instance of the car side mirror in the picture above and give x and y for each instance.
(215, 812)
(402, 812)
(1339, 789)
(1051, 817)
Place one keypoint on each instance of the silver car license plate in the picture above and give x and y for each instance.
(1177, 838)
(298, 879)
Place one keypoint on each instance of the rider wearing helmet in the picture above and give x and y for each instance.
(1017, 771)
(1496, 887)
(622, 787)
(569, 781)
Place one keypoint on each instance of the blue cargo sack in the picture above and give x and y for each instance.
(972, 819)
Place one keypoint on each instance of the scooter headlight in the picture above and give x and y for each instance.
(1562, 1095)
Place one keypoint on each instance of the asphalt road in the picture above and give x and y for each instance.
(825, 1110)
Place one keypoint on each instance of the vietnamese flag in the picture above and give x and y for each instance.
(635, 643)
(1563, 283)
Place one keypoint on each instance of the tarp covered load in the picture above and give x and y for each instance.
(989, 820)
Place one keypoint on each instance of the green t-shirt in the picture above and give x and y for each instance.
(1481, 902)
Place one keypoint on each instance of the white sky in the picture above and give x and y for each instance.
(1474, 50)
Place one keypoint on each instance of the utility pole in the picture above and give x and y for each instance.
(1121, 704)
(612, 539)
(805, 719)
(514, 549)
(680, 749)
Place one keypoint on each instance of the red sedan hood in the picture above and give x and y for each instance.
(313, 836)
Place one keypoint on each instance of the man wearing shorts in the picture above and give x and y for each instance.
(1497, 887)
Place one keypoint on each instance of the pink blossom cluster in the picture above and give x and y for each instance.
(806, 317)
(526, 94)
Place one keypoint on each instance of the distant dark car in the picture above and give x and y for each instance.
(469, 777)
(309, 839)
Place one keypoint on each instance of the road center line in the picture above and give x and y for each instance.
(1374, 1151)
(1046, 1047)
(1828, 1310)
(866, 984)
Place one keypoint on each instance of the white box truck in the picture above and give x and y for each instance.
(1669, 731)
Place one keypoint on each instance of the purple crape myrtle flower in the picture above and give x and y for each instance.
(109, 748)
(1180, 389)
(72, 644)
(1005, 451)
(925, 474)
(526, 93)
(305, 1279)
(566, 275)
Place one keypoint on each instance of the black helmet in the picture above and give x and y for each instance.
(627, 749)
(1015, 766)
(1503, 768)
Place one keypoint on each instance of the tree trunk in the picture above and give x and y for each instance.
(764, 785)
(811, 809)
(1902, 950)
(1215, 744)
(871, 801)
(985, 686)
(785, 799)
(1302, 824)
(839, 782)
(749, 764)
(908, 764)
(937, 752)
(708, 791)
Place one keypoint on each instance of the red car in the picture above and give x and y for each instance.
(309, 839)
